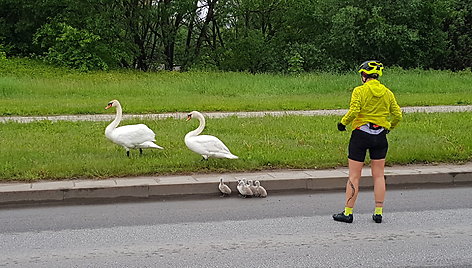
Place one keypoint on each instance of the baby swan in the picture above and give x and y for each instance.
(244, 189)
(251, 186)
(224, 189)
(261, 192)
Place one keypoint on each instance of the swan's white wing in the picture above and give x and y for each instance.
(207, 145)
(133, 135)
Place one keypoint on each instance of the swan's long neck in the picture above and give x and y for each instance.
(114, 124)
(200, 127)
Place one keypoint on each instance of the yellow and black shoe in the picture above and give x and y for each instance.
(344, 218)
(377, 218)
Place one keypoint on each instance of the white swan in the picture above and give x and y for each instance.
(205, 145)
(131, 136)
(224, 189)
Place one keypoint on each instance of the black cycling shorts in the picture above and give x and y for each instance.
(362, 141)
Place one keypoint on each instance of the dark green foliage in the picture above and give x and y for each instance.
(248, 35)
(295, 63)
(459, 35)
(68, 46)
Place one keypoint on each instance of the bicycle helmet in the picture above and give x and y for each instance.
(371, 67)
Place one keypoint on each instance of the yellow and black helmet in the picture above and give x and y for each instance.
(371, 67)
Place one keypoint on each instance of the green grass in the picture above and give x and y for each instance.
(66, 150)
(32, 88)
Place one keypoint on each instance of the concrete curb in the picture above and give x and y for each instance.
(198, 184)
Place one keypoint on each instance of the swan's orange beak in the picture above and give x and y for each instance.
(109, 106)
(189, 116)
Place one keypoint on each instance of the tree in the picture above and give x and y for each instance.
(244, 35)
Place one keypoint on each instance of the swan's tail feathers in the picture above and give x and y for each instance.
(231, 156)
(150, 144)
(223, 155)
(157, 146)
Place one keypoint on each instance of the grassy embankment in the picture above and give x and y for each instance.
(46, 150)
(36, 89)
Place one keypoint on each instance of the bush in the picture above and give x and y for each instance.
(70, 47)
(295, 63)
(3, 52)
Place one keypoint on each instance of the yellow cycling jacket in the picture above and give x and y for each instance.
(373, 103)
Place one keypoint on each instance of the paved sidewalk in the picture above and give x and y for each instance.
(198, 184)
(111, 116)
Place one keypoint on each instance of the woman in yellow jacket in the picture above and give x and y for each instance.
(373, 112)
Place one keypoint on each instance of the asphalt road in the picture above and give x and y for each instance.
(422, 227)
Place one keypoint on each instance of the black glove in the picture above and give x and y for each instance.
(341, 127)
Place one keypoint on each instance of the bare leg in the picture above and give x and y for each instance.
(140, 151)
(378, 173)
(352, 186)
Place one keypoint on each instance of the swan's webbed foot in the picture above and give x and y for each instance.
(140, 151)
